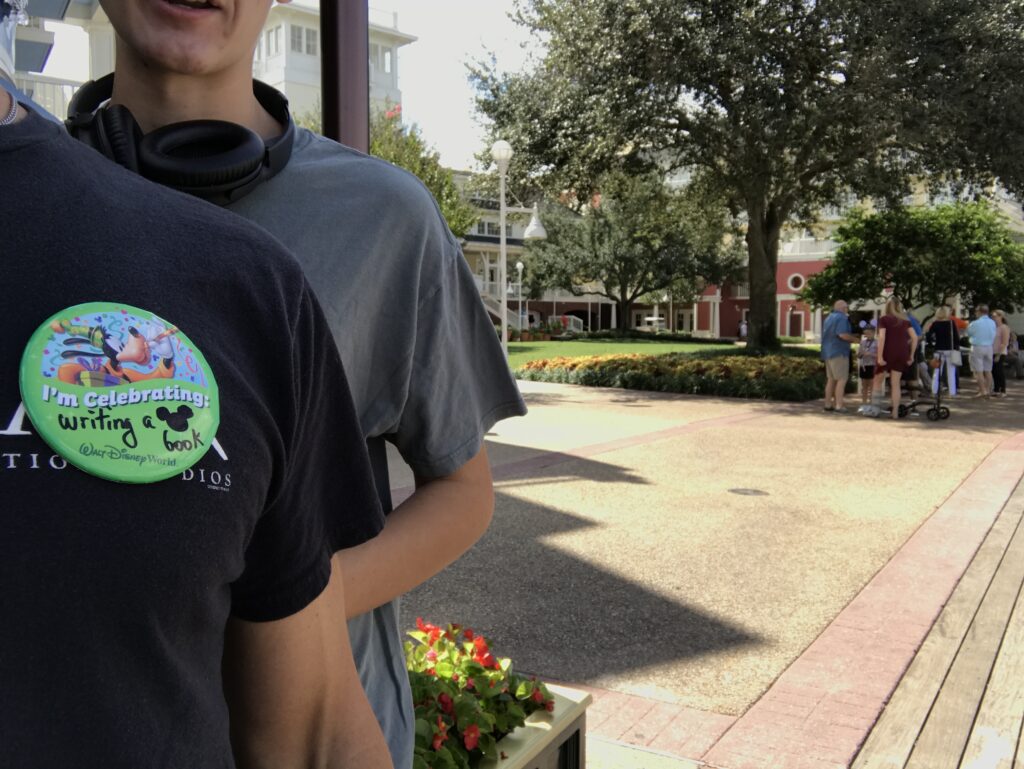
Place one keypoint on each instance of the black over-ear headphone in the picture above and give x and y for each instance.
(212, 159)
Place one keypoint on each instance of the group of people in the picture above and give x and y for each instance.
(178, 574)
(895, 349)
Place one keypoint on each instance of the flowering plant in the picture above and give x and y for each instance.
(778, 377)
(466, 698)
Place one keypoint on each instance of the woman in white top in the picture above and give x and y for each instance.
(943, 340)
(999, 346)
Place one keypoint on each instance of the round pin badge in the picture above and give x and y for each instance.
(119, 392)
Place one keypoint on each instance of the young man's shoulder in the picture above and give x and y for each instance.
(338, 169)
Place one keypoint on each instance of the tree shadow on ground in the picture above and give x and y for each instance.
(556, 614)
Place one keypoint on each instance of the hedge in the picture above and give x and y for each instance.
(782, 377)
(660, 336)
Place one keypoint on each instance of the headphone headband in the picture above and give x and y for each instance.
(212, 159)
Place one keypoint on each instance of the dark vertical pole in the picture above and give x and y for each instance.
(345, 72)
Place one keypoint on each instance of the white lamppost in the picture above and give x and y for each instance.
(519, 308)
(501, 152)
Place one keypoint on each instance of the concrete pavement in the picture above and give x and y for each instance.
(678, 555)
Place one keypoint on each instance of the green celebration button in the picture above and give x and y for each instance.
(119, 392)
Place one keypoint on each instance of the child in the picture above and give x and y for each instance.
(867, 352)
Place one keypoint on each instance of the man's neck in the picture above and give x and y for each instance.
(157, 99)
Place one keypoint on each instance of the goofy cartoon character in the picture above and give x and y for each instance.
(104, 368)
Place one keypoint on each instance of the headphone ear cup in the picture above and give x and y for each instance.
(201, 155)
(118, 136)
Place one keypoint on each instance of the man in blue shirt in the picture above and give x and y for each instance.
(982, 333)
(836, 337)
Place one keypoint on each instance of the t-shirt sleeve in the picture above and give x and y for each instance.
(323, 499)
(459, 382)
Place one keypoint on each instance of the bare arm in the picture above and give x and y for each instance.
(294, 698)
(880, 338)
(913, 342)
(430, 530)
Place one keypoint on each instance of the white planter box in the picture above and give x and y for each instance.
(548, 740)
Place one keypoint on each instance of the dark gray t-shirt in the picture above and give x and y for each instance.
(423, 362)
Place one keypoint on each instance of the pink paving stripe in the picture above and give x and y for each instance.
(821, 709)
(545, 459)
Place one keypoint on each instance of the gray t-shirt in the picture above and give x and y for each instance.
(422, 360)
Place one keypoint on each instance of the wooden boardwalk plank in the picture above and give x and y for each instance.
(997, 729)
(893, 737)
(944, 737)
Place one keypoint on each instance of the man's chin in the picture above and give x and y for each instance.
(186, 61)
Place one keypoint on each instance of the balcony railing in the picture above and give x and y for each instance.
(51, 93)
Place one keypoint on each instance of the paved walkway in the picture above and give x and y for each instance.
(738, 584)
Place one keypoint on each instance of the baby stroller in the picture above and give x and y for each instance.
(937, 411)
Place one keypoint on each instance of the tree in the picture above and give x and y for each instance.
(925, 256)
(785, 105)
(636, 237)
(404, 147)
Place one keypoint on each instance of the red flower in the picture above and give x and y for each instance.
(455, 678)
(538, 695)
(549, 706)
(470, 684)
(433, 631)
(468, 634)
(471, 736)
(487, 660)
(431, 655)
(430, 672)
(481, 644)
(441, 735)
(446, 703)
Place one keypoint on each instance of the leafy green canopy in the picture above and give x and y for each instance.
(404, 147)
(783, 105)
(637, 237)
(926, 256)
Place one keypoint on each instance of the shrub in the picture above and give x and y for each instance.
(794, 376)
(661, 336)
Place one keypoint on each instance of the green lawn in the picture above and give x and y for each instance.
(522, 352)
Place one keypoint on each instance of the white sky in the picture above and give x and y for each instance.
(436, 95)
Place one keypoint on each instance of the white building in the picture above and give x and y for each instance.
(287, 55)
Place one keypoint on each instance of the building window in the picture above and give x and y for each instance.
(296, 38)
(387, 61)
(273, 41)
(374, 57)
(638, 320)
(481, 228)
(796, 282)
(312, 42)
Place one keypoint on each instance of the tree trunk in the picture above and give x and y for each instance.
(625, 307)
(763, 231)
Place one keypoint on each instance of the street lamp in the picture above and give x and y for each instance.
(519, 308)
(501, 153)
